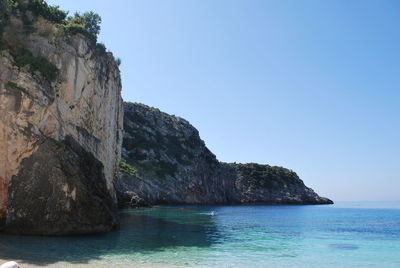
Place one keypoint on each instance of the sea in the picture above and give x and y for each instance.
(346, 234)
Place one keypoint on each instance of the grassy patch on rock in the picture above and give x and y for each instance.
(12, 85)
(256, 176)
(127, 168)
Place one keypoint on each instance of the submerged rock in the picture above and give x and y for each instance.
(166, 162)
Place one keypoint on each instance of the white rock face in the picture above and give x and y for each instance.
(84, 102)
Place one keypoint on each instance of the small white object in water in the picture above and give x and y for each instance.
(10, 264)
(212, 213)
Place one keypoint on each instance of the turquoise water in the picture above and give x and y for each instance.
(341, 235)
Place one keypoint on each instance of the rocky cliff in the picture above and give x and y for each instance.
(166, 162)
(60, 126)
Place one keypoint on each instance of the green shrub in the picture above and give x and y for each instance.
(6, 6)
(73, 28)
(87, 23)
(101, 49)
(127, 168)
(37, 7)
(255, 176)
(51, 13)
(13, 85)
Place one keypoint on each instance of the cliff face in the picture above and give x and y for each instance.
(257, 183)
(60, 131)
(166, 162)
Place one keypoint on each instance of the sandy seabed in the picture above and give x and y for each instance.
(88, 265)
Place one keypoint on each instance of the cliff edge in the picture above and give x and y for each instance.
(61, 116)
(166, 162)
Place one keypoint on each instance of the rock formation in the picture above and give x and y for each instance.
(61, 117)
(166, 162)
(60, 129)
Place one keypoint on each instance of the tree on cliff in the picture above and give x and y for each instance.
(87, 23)
(37, 15)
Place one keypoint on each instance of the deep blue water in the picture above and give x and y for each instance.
(340, 235)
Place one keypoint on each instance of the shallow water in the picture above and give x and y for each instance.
(340, 235)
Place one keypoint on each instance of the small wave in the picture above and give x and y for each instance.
(344, 246)
(212, 213)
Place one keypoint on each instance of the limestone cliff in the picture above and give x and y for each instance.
(166, 162)
(60, 129)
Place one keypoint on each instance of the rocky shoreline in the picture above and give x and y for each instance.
(63, 130)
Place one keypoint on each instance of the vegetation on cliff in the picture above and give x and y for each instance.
(87, 23)
(61, 111)
(158, 144)
(174, 166)
(19, 18)
(127, 168)
(253, 176)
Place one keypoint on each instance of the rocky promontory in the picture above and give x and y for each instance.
(164, 161)
(60, 122)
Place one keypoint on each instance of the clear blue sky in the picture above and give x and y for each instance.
(309, 85)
